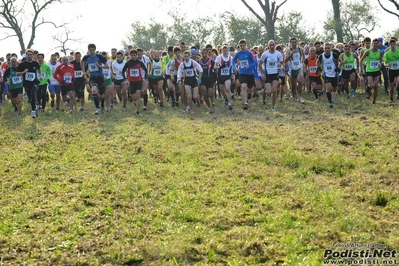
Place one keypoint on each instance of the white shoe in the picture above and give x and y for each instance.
(301, 100)
(97, 111)
(187, 108)
(33, 113)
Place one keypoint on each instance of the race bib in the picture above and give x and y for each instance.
(329, 68)
(106, 74)
(93, 67)
(271, 64)
(348, 66)
(16, 80)
(225, 71)
(68, 79)
(30, 76)
(395, 65)
(78, 73)
(313, 69)
(157, 72)
(243, 63)
(134, 72)
(189, 72)
(295, 63)
(374, 64)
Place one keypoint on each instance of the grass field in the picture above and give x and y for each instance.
(248, 187)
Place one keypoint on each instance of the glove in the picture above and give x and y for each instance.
(199, 81)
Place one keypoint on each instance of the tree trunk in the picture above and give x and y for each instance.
(337, 19)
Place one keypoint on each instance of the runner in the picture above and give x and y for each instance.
(95, 63)
(269, 64)
(46, 75)
(259, 82)
(15, 84)
(373, 59)
(65, 75)
(172, 68)
(224, 66)
(165, 71)
(391, 59)
(109, 94)
(134, 69)
(156, 77)
(348, 65)
(247, 64)
(79, 84)
(329, 61)
(313, 72)
(30, 70)
(190, 70)
(207, 81)
(144, 93)
(362, 75)
(119, 84)
(54, 86)
(296, 57)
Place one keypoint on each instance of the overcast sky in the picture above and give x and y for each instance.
(107, 23)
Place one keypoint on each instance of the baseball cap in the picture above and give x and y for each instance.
(193, 51)
(380, 39)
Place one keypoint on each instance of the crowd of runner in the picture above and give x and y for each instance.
(191, 77)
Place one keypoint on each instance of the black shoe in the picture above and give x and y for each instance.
(52, 104)
(161, 104)
(245, 106)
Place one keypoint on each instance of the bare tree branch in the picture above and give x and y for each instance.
(389, 11)
(254, 12)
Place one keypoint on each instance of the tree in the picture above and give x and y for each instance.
(357, 20)
(387, 9)
(269, 17)
(388, 34)
(293, 25)
(17, 17)
(198, 31)
(63, 39)
(337, 23)
(148, 35)
(246, 28)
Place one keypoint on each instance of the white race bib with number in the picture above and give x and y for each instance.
(243, 63)
(106, 73)
(313, 69)
(134, 73)
(157, 72)
(348, 66)
(374, 64)
(78, 73)
(189, 72)
(30, 76)
(68, 79)
(225, 71)
(395, 65)
(16, 80)
(93, 67)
